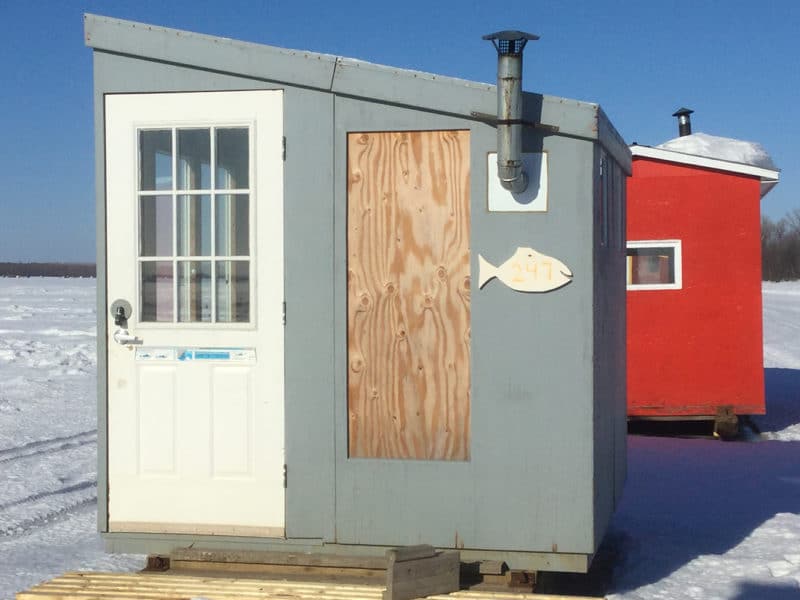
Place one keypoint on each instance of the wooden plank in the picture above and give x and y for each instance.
(291, 571)
(315, 559)
(402, 554)
(408, 238)
(492, 567)
(149, 582)
(420, 577)
(157, 562)
(196, 528)
(166, 586)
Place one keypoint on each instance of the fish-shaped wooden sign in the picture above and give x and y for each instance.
(526, 271)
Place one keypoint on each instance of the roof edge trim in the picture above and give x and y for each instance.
(612, 141)
(334, 74)
(705, 161)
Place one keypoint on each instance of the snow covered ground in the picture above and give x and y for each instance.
(700, 519)
(48, 435)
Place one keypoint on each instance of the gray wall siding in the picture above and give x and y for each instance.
(528, 482)
(610, 408)
(619, 350)
(102, 301)
(309, 260)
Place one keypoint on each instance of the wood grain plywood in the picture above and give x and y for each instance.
(408, 238)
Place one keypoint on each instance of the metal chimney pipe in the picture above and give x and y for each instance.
(509, 46)
(684, 121)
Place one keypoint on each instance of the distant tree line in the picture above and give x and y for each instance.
(780, 247)
(9, 269)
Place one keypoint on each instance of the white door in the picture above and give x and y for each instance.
(194, 217)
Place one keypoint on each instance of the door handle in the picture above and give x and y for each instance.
(124, 338)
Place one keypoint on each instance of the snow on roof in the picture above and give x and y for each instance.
(713, 152)
(712, 146)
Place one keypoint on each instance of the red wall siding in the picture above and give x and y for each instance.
(700, 347)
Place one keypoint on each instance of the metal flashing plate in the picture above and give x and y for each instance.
(533, 199)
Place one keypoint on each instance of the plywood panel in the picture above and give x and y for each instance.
(408, 237)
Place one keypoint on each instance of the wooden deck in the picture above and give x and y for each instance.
(167, 586)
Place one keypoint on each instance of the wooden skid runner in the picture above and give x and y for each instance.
(164, 586)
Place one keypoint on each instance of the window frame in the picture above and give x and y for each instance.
(174, 192)
(675, 246)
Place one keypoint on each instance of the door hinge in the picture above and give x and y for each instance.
(284, 312)
(285, 477)
(284, 148)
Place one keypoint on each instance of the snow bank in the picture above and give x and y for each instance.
(781, 314)
(712, 146)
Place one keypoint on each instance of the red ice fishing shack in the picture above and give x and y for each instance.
(694, 278)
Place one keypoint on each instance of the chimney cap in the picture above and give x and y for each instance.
(509, 35)
(682, 111)
(510, 42)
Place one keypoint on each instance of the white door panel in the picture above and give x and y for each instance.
(195, 244)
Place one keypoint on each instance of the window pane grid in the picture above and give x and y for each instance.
(207, 212)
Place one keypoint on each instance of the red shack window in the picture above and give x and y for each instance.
(654, 265)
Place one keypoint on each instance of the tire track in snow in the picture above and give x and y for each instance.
(44, 518)
(92, 483)
(41, 507)
(49, 446)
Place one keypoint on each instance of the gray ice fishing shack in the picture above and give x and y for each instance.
(333, 320)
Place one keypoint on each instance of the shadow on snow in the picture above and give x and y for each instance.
(750, 590)
(782, 388)
(688, 498)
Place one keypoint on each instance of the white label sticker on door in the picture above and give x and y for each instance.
(224, 354)
(155, 354)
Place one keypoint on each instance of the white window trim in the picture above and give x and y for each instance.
(678, 267)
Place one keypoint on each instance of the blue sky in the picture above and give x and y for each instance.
(736, 63)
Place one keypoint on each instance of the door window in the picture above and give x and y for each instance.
(194, 224)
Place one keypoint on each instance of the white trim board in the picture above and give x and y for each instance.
(769, 177)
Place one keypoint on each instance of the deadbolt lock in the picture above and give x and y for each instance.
(121, 310)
